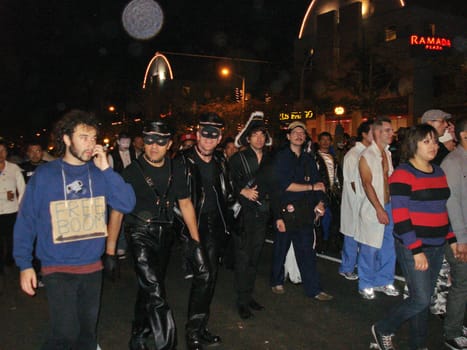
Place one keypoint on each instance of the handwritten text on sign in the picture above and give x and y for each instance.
(78, 219)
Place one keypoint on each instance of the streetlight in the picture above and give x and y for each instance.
(339, 111)
(226, 72)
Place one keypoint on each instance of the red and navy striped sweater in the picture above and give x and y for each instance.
(418, 201)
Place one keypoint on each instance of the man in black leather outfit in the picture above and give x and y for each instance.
(158, 183)
(251, 174)
(210, 190)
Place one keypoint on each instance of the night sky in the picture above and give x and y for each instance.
(63, 54)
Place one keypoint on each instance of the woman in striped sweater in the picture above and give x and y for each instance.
(419, 192)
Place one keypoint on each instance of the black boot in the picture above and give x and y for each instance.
(193, 342)
(138, 338)
(137, 343)
(208, 338)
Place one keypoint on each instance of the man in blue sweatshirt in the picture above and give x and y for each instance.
(64, 209)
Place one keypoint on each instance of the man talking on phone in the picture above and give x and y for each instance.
(64, 209)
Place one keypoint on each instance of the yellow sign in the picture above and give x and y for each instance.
(296, 115)
(78, 219)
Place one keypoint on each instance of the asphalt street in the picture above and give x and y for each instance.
(289, 322)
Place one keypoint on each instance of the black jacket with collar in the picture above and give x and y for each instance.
(222, 185)
(260, 175)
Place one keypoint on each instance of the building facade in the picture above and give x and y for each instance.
(378, 57)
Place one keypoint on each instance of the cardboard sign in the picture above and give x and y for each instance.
(78, 219)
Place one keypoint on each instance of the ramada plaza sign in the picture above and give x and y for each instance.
(430, 42)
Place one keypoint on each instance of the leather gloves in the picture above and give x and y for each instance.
(110, 266)
(196, 257)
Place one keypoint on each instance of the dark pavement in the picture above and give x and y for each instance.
(290, 321)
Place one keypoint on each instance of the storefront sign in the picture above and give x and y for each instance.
(430, 42)
(296, 115)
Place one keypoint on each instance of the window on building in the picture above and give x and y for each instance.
(390, 33)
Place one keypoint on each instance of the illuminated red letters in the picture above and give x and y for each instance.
(429, 42)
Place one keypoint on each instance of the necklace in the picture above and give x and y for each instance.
(204, 154)
(157, 162)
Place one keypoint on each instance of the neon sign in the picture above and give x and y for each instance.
(296, 115)
(430, 42)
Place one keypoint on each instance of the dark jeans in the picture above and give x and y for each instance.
(457, 297)
(7, 222)
(303, 242)
(421, 284)
(248, 244)
(74, 302)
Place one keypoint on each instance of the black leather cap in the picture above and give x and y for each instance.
(211, 119)
(157, 127)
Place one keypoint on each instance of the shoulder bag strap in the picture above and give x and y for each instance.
(150, 183)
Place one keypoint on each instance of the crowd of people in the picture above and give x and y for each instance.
(380, 201)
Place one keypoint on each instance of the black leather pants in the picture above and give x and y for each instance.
(150, 246)
(212, 236)
(200, 292)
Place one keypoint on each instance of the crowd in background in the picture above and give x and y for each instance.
(374, 198)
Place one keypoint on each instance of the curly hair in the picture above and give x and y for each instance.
(67, 125)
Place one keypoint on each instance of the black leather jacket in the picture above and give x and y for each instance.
(222, 186)
(256, 175)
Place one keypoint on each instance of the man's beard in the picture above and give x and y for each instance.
(75, 154)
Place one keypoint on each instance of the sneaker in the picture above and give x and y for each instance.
(388, 290)
(456, 343)
(384, 341)
(279, 289)
(464, 331)
(351, 276)
(322, 296)
(367, 293)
